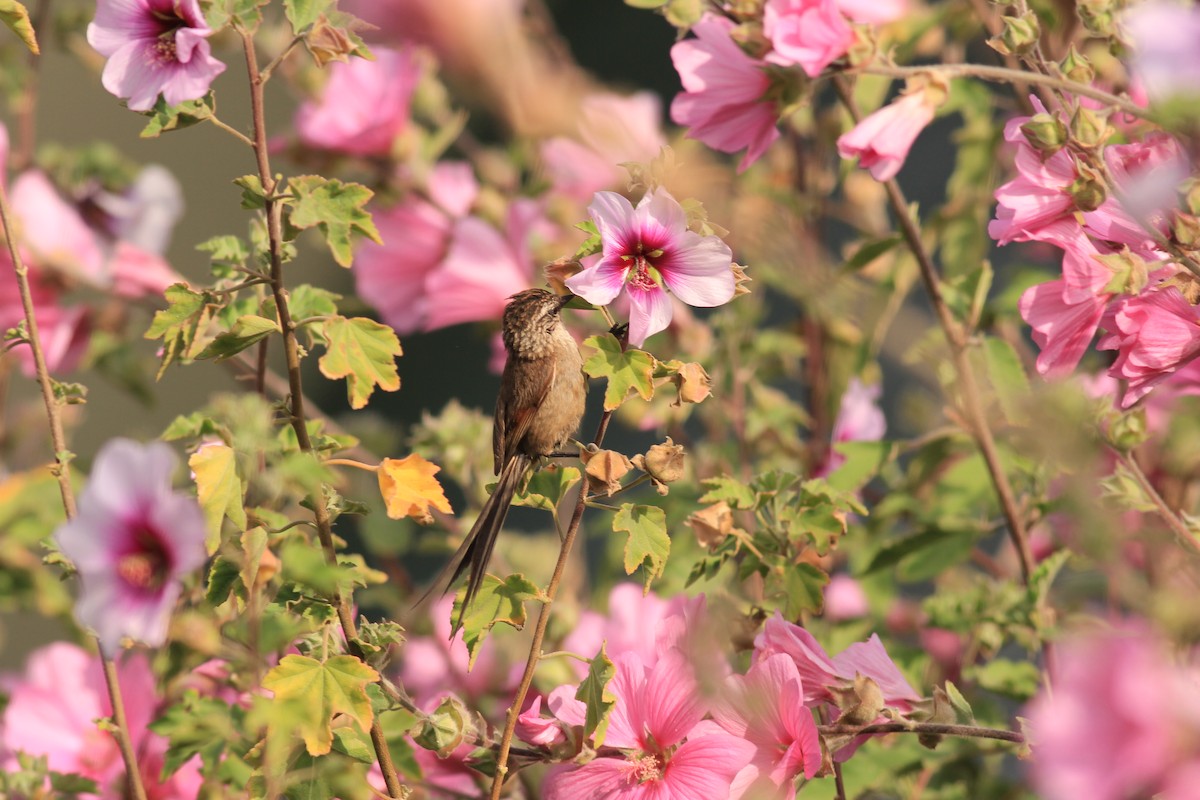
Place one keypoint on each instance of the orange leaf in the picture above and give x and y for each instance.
(409, 488)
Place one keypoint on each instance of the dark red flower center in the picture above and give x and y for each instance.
(147, 565)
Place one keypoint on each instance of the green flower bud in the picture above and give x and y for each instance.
(1089, 127)
(1087, 192)
(1020, 35)
(1186, 230)
(1077, 67)
(1045, 133)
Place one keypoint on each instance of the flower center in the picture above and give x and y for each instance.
(164, 49)
(644, 768)
(145, 567)
(643, 276)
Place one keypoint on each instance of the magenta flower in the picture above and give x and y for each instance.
(1038, 195)
(52, 712)
(133, 541)
(668, 750)
(724, 102)
(882, 140)
(766, 708)
(153, 47)
(1154, 335)
(645, 248)
(810, 33)
(364, 105)
(1123, 721)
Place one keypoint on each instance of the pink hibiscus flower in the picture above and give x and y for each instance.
(810, 33)
(881, 141)
(1038, 195)
(364, 105)
(724, 102)
(1154, 335)
(649, 247)
(668, 750)
(132, 542)
(766, 708)
(859, 419)
(153, 47)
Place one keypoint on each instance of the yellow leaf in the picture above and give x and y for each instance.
(409, 488)
(219, 489)
(313, 692)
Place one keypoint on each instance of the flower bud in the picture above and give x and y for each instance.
(1020, 35)
(662, 462)
(1076, 67)
(604, 469)
(1130, 272)
(1186, 230)
(1045, 134)
(1098, 17)
(1128, 430)
(443, 730)
(1191, 196)
(1087, 192)
(1089, 127)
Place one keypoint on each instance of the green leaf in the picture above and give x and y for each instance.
(863, 462)
(203, 726)
(805, 586)
(245, 13)
(254, 544)
(966, 715)
(1008, 378)
(317, 691)
(1017, 679)
(335, 209)
(732, 491)
(363, 352)
(627, 371)
(892, 553)
(305, 301)
(254, 196)
(164, 118)
(181, 324)
(225, 253)
(547, 487)
(69, 784)
(497, 601)
(219, 489)
(303, 13)
(354, 743)
(222, 580)
(870, 251)
(247, 331)
(648, 543)
(593, 692)
(16, 17)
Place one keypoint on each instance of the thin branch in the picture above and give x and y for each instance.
(957, 341)
(928, 728)
(539, 632)
(1180, 530)
(269, 69)
(62, 469)
(291, 348)
(243, 138)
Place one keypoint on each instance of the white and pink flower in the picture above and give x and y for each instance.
(154, 47)
(648, 249)
(132, 542)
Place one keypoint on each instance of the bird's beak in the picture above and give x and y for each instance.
(564, 300)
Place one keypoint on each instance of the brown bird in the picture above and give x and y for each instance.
(540, 404)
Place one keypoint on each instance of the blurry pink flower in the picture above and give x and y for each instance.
(612, 130)
(810, 33)
(766, 707)
(645, 248)
(153, 47)
(145, 214)
(363, 106)
(1154, 334)
(53, 234)
(819, 672)
(669, 752)
(484, 267)
(845, 599)
(1123, 721)
(724, 102)
(63, 330)
(1164, 60)
(882, 140)
(133, 541)
(873, 12)
(433, 665)
(52, 712)
(859, 419)
(632, 625)
(535, 729)
(1038, 195)
(1147, 174)
(137, 273)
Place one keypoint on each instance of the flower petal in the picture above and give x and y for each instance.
(649, 312)
(699, 271)
(600, 283)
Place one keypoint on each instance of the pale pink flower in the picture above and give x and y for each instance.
(363, 106)
(631, 626)
(649, 247)
(1147, 174)
(810, 33)
(1122, 722)
(133, 541)
(859, 419)
(484, 267)
(668, 750)
(613, 130)
(53, 234)
(52, 712)
(724, 102)
(873, 12)
(135, 272)
(820, 673)
(1164, 60)
(845, 599)
(153, 47)
(766, 708)
(881, 141)
(535, 729)
(63, 330)
(1154, 334)
(431, 666)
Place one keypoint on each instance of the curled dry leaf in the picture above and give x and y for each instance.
(693, 383)
(711, 525)
(409, 488)
(604, 469)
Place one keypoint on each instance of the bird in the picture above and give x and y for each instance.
(541, 401)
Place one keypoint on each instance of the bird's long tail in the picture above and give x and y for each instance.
(476, 550)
